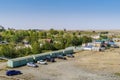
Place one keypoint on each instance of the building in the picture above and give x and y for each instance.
(96, 37)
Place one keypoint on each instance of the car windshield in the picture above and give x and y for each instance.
(48, 57)
(60, 55)
(41, 60)
(31, 63)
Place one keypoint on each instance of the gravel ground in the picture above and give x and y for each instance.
(87, 65)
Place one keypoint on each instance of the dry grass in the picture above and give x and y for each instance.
(87, 65)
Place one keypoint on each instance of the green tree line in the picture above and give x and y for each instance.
(59, 40)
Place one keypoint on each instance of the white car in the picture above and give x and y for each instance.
(42, 62)
(31, 64)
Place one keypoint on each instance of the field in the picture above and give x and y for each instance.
(87, 65)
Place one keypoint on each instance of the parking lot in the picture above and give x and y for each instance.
(87, 65)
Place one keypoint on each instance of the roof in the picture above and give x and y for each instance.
(20, 58)
(48, 40)
(105, 40)
(98, 41)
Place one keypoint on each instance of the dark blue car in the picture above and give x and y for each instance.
(13, 72)
(50, 59)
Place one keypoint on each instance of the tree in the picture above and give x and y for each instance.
(2, 28)
(63, 42)
(79, 33)
(93, 31)
(65, 30)
(58, 46)
(28, 51)
(43, 35)
(8, 51)
(86, 39)
(74, 33)
(75, 41)
(80, 41)
(53, 32)
(36, 48)
(48, 46)
(103, 37)
(23, 52)
(61, 32)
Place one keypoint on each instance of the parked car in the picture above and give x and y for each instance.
(50, 59)
(70, 55)
(32, 64)
(61, 57)
(43, 62)
(63, 54)
(13, 72)
(115, 46)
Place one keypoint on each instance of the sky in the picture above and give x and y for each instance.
(60, 14)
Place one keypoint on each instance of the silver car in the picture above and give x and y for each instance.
(42, 62)
(31, 64)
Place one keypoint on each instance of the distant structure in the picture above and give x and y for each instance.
(11, 29)
(1, 28)
(65, 30)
